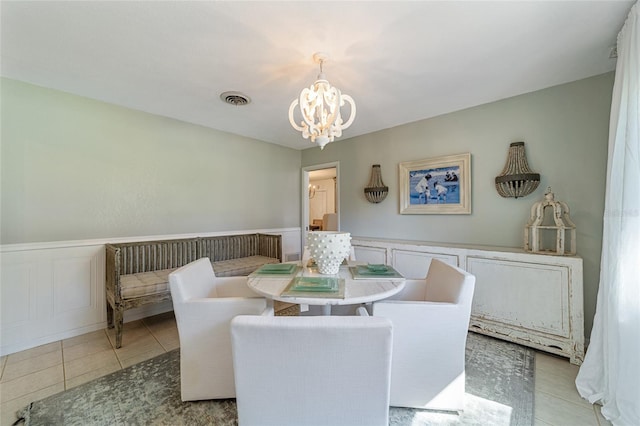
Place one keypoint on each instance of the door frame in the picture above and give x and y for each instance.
(305, 197)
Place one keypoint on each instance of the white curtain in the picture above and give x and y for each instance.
(610, 373)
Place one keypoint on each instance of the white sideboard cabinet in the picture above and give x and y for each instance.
(531, 299)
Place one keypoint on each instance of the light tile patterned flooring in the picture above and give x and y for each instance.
(39, 372)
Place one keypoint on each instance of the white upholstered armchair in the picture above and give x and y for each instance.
(204, 306)
(430, 321)
(304, 371)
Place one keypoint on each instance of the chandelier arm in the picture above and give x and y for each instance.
(353, 111)
(291, 120)
(331, 105)
(309, 102)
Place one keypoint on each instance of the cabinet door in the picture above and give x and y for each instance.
(532, 296)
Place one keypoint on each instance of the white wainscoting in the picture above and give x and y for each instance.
(53, 291)
(531, 299)
(50, 294)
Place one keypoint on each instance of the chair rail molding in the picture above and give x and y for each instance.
(531, 299)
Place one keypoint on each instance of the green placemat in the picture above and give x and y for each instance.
(327, 287)
(363, 271)
(277, 269)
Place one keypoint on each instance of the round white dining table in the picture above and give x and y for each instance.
(356, 291)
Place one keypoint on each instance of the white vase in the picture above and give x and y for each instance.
(328, 249)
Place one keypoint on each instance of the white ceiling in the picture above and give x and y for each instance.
(401, 61)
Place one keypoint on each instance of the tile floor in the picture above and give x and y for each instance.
(45, 370)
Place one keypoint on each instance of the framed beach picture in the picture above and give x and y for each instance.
(440, 185)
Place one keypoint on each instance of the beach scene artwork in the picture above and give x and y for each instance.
(435, 186)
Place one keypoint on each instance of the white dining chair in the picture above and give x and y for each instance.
(306, 371)
(204, 306)
(430, 320)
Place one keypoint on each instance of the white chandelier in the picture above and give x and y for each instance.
(320, 108)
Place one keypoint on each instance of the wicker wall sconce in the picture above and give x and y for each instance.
(517, 179)
(376, 191)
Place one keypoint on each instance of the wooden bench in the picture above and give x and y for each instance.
(137, 273)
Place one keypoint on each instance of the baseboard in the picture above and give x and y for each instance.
(10, 349)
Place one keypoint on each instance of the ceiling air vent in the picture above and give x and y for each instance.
(235, 98)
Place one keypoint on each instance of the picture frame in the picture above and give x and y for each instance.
(440, 185)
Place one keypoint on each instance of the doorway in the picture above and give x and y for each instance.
(320, 199)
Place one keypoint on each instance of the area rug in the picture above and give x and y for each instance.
(499, 391)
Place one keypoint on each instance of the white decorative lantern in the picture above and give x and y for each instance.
(329, 249)
(549, 217)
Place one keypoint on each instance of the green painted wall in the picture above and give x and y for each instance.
(75, 168)
(565, 130)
